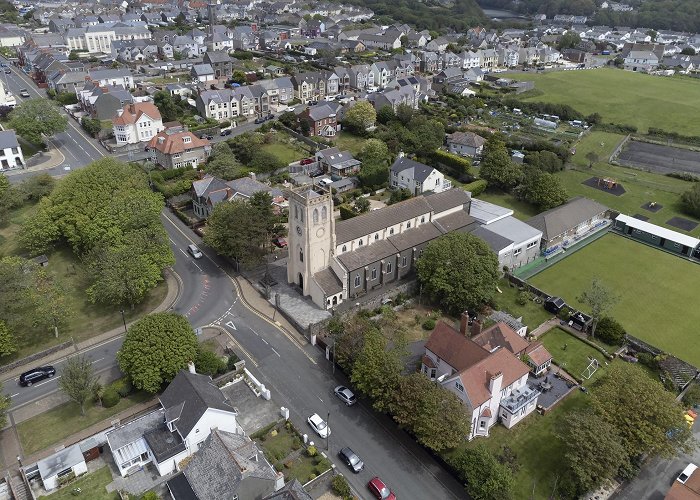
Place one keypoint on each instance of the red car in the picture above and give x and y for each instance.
(279, 242)
(307, 161)
(380, 490)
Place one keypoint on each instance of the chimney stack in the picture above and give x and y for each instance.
(190, 367)
(464, 323)
(476, 327)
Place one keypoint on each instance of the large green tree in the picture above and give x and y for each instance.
(5, 403)
(78, 381)
(237, 231)
(169, 109)
(594, 450)
(458, 271)
(497, 167)
(155, 348)
(642, 412)
(485, 477)
(8, 342)
(690, 200)
(374, 151)
(542, 189)
(10, 197)
(360, 116)
(222, 163)
(37, 118)
(545, 161)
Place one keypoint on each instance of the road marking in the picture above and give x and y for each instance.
(171, 241)
(97, 360)
(238, 345)
(231, 325)
(50, 380)
(266, 342)
(183, 252)
(273, 350)
(200, 269)
(14, 395)
(319, 398)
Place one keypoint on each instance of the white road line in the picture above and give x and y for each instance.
(14, 395)
(266, 342)
(195, 265)
(97, 360)
(183, 252)
(319, 398)
(171, 241)
(50, 380)
(273, 350)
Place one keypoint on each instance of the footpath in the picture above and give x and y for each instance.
(44, 160)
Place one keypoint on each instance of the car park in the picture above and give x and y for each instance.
(345, 395)
(319, 425)
(28, 378)
(194, 251)
(351, 459)
(380, 490)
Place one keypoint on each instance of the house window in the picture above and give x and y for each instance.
(391, 231)
(388, 267)
(422, 219)
(144, 456)
(677, 245)
(301, 255)
(408, 225)
(531, 244)
(517, 251)
(359, 243)
(374, 273)
(357, 281)
(459, 386)
(482, 424)
(403, 261)
(345, 248)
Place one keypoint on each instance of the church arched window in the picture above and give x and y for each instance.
(324, 214)
(315, 216)
(301, 255)
(296, 212)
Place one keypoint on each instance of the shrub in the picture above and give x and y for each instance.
(428, 324)
(648, 360)
(312, 476)
(123, 386)
(610, 331)
(684, 176)
(692, 395)
(341, 487)
(262, 432)
(523, 298)
(110, 397)
(208, 363)
(476, 187)
(231, 362)
(311, 451)
(296, 443)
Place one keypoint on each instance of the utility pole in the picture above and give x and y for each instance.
(123, 319)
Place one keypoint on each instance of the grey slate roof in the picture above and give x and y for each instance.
(446, 200)
(62, 460)
(223, 461)
(203, 69)
(496, 242)
(328, 281)
(514, 229)
(198, 393)
(248, 187)
(558, 220)
(134, 430)
(466, 139)
(293, 490)
(208, 184)
(415, 236)
(420, 170)
(367, 255)
(454, 221)
(8, 139)
(180, 489)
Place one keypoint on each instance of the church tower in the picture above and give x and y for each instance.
(311, 240)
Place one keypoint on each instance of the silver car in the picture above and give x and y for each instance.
(345, 395)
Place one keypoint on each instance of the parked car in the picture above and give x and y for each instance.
(687, 472)
(380, 490)
(24, 93)
(194, 251)
(270, 116)
(351, 459)
(307, 161)
(319, 425)
(36, 374)
(8, 71)
(345, 395)
(208, 137)
(279, 242)
(260, 120)
(225, 132)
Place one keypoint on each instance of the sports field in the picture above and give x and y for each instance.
(623, 97)
(657, 291)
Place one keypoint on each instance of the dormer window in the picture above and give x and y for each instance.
(186, 140)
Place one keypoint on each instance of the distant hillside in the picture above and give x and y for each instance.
(430, 14)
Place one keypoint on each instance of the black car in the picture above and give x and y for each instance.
(260, 120)
(225, 132)
(351, 459)
(35, 375)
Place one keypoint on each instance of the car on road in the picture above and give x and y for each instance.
(270, 116)
(290, 109)
(24, 92)
(260, 120)
(208, 137)
(279, 242)
(351, 459)
(345, 395)
(3, 65)
(687, 472)
(225, 132)
(307, 161)
(319, 425)
(8, 71)
(28, 378)
(380, 490)
(194, 251)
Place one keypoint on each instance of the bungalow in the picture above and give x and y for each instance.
(465, 143)
(209, 191)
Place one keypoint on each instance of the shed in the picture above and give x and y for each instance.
(61, 464)
(41, 260)
(554, 304)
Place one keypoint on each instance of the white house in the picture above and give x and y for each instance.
(465, 143)
(191, 407)
(66, 463)
(489, 379)
(138, 122)
(10, 152)
(417, 177)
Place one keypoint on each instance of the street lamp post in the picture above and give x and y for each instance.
(123, 319)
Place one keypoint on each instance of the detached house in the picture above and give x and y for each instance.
(135, 123)
(172, 148)
(465, 143)
(323, 119)
(484, 374)
(417, 177)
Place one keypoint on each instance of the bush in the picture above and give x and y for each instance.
(523, 298)
(476, 187)
(110, 397)
(208, 363)
(684, 176)
(341, 487)
(296, 443)
(610, 331)
(428, 324)
(311, 451)
(648, 360)
(346, 212)
(692, 395)
(457, 164)
(262, 432)
(231, 362)
(122, 386)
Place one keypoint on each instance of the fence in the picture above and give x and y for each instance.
(37, 355)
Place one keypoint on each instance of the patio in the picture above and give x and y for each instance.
(556, 388)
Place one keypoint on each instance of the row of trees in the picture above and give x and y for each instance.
(111, 220)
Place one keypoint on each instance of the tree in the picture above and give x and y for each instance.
(610, 331)
(592, 158)
(35, 118)
(239, 77)
(222, 163)
(599, 299)
(208, 363)
(373, 175)
(10, 197)
(8, 342)
(642, 412)
(485, 477)
(692, 395)
(688, 51)
(361, 205)
(690, 200)
(288, 119)
(398, 195)
(37, 186)
(458, 271)
(545, 161)
(78, 380)
(497, 168)
(17, 288)
(51, 310)
(542, 189)
(374, 151)
(377, 370)
(155, 348)
(360, 117)
(265, 162)
(385, 114)
(429, 135)
(5, 402)
(91, 125)
(405, 114)
(169, 110)
(594, 451)
(235, 230)
(569, 40)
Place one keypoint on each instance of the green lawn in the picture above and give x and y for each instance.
(521, 210)
(601, 143)
(569, 352)
(279, 447)
(347, 141)
(657, 290)
(533, 314)
(93, 486)
(284, 152)
(53, 426)
(623, 97)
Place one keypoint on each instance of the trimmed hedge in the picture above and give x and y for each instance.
(110, 397)
(476, 187)
(456, 163)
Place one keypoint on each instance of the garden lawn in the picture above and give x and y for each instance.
(622, 97)
(92, 486)
(278, 448)
(570, 352)
(53, 426)
(601, 143)
(350, 142)
(521, 209)
(284, 152)
(657, 290)
(533, 314)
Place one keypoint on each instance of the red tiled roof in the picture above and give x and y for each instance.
(454, 348)
(538, 354)
(428, 361)
(501, 335)
(174, 143)
(476, 378)
(132, 112)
